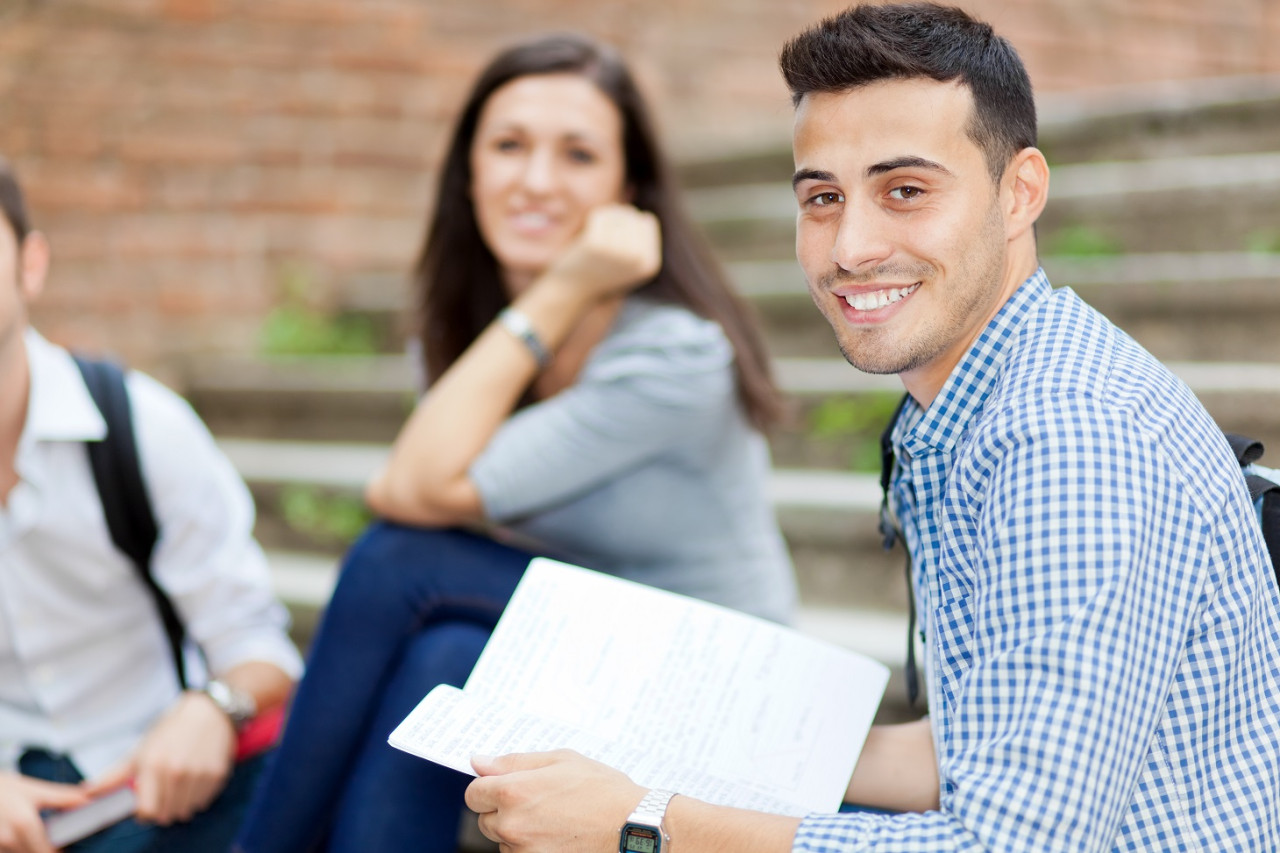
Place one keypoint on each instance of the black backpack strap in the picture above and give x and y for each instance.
(117, 474)
(1268, 492)
(1247, 450)
(890, 535)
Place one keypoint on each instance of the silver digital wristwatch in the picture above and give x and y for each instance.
(643, 832)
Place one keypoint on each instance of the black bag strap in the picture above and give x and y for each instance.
(126, 505)
(1247, 450)
(890, 534)
(1267, 491)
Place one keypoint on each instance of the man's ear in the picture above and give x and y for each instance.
(1026, 190)
(33, 265)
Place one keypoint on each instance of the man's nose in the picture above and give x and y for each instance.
(862, 238)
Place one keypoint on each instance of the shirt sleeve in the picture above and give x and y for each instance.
(1074, 560)
(657, 387)
(206, 558)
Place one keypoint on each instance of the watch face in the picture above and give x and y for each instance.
(637, 838)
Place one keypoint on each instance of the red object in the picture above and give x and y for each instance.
(260, 733)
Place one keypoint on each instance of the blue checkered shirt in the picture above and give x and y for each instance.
(1102, 625)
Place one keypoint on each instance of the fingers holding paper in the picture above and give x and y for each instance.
(21, 799)
(541, 802)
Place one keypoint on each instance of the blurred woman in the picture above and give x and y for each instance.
(596, 393)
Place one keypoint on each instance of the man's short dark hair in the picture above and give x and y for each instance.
(15, 209)
(867, 44)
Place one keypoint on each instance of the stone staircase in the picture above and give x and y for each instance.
(1164, 213)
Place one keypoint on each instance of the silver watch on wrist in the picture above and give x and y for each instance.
(644, 831)
(238, 705)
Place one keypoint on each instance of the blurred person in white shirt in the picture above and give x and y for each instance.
(90, 699)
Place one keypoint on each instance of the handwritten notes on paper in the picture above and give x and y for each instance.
(677, 693)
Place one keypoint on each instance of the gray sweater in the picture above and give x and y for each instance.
(647, 468)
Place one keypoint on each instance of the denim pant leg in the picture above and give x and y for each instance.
(854, 808)
(395, 802)
(395, 582)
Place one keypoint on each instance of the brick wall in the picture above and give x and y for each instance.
(186, 155)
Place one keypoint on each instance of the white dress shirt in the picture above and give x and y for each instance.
(85, 665)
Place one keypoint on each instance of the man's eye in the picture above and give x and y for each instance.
(825, 199)
(905, 193)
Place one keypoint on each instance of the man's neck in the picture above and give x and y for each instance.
(925, 383)
(15, 379)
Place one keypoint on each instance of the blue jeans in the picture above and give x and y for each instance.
(210, 831)
(413, 608)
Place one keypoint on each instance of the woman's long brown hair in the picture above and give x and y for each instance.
(459, 288)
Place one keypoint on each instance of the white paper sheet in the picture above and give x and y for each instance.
(677, 693)
(68, 827)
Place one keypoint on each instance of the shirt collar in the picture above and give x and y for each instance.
(60, 408)
(965, 392)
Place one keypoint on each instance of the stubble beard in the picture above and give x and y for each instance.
(878, 350)
(882, 350)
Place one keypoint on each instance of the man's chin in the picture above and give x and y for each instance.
(877, 364)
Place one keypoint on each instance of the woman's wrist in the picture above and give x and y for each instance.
(564, 289)
(518, 324)
(554, 305)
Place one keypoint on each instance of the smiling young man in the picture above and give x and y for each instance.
(1102, 625)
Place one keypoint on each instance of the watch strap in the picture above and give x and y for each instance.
(238, 705)
(521, 328)
(652, 808)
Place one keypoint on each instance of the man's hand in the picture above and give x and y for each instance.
(181, 765)
(619, 249)
(551, 802)
(21, 799)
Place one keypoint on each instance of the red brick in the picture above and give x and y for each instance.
(192, 10)
(178, 148)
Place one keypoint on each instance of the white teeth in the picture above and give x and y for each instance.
(532, 220)
(878, 298)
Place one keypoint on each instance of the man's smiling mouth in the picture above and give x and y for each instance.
(871, 300)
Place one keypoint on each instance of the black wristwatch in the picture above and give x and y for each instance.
(643, 832)
(239, 706)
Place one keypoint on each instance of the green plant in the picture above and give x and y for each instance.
(856, 421)
(297, 326)
(1263, 241)
(333, 519)
(1081, 241)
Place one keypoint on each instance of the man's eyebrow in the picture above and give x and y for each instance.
(811, 175)
(907, 162)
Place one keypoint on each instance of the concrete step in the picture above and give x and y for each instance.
(1165, 119)
(309, 398)
(1169, 204)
